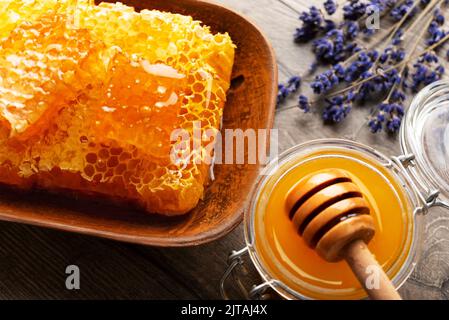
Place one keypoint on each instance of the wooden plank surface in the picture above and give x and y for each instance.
(33, 260)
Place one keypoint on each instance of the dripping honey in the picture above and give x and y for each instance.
(286, 255)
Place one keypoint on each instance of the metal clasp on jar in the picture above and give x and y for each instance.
(257, 291)
(428, 198)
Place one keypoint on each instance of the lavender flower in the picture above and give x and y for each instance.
(324, 82)
(354, 10)
(285, 90)
(328, 79)
(368, 31)
(398, 37)
(377, 85)
(398, 12)
(339, 71)
(304, 103)
(338, 108)
(435, 31)
(334, 46)
(366, 88)
(363, 63)
(330, 6)
(388, 80)
(392, 55)
(426, 71)
(380, 5)
(311, 23)
(389, 116)
(397, 96)
(283, 93)
(294, 83)
(439, 17)
(376, 123)
(352, 30)
(330, 48)
(394, 121)
(328, 26)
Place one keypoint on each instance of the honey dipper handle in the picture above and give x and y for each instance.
(369, 273)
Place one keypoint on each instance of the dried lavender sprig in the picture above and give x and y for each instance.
(391, 111)
(422, 14)
(404, 18)
(376, 75)
(398, 26)
(392, 31)
(328, 80)
(396, 65)
(305, 104)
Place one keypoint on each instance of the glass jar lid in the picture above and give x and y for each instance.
(425, 135)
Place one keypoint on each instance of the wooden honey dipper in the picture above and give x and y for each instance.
(330, 213)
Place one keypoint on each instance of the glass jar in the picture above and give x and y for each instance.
(419, 178)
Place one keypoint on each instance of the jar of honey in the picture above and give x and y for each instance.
(399, 191)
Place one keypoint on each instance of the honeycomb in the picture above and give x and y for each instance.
(90, 95)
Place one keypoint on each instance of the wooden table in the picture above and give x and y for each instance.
(33, 260)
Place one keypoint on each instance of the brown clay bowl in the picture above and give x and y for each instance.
(251, 103)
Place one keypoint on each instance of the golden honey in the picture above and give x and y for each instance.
(284, 252)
